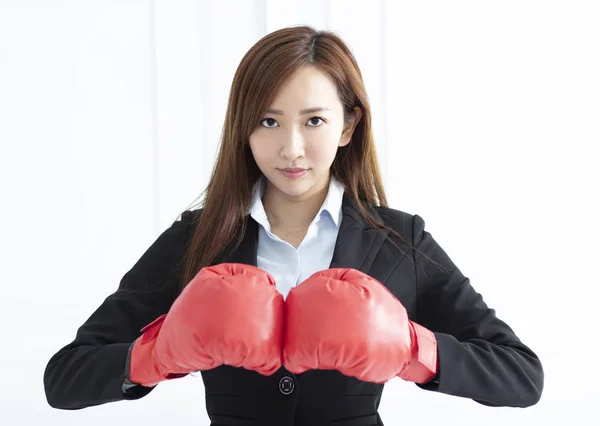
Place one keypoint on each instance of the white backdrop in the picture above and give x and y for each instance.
(486, 117)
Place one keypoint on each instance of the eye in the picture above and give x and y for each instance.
(315, 118)
(271, 120)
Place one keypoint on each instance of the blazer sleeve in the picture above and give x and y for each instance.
(479, 356)
(90, 370)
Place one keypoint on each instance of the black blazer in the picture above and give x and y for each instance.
(480, 357)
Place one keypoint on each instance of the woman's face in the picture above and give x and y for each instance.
(292, 137)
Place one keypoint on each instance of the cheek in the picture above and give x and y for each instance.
(322, 149)
(260, 149)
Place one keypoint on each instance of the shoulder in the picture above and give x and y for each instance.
(409, 225)
(159, 262)
(175, 236)
(186, 223)
(189, 217)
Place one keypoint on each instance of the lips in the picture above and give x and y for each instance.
(293, 173)
(294, 170)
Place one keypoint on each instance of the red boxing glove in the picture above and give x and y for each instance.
(228, 314)
(342, 319)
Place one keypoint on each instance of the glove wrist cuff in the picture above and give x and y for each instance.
(143, 366)
(424, 361)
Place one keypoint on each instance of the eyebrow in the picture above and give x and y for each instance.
(304, 111)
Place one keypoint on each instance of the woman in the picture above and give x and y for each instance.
(295, 291)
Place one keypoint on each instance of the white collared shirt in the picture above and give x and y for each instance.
(290, 266)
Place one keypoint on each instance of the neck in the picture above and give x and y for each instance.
(293, 213)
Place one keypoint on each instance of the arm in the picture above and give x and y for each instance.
(479, 356)
(91, 370)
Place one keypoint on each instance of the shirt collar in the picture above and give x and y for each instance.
(332, 204)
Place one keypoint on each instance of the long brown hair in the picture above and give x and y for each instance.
(263, 69)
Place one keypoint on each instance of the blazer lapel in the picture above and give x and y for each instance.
(247, 250)
(356, 246)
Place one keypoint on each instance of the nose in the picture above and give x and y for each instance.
(292, 146)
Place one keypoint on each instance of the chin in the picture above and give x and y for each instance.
(292, 188)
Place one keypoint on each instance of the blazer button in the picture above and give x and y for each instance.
(286, 385)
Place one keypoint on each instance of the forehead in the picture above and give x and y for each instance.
(307, 87)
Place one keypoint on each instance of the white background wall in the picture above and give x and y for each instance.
(486, 117)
